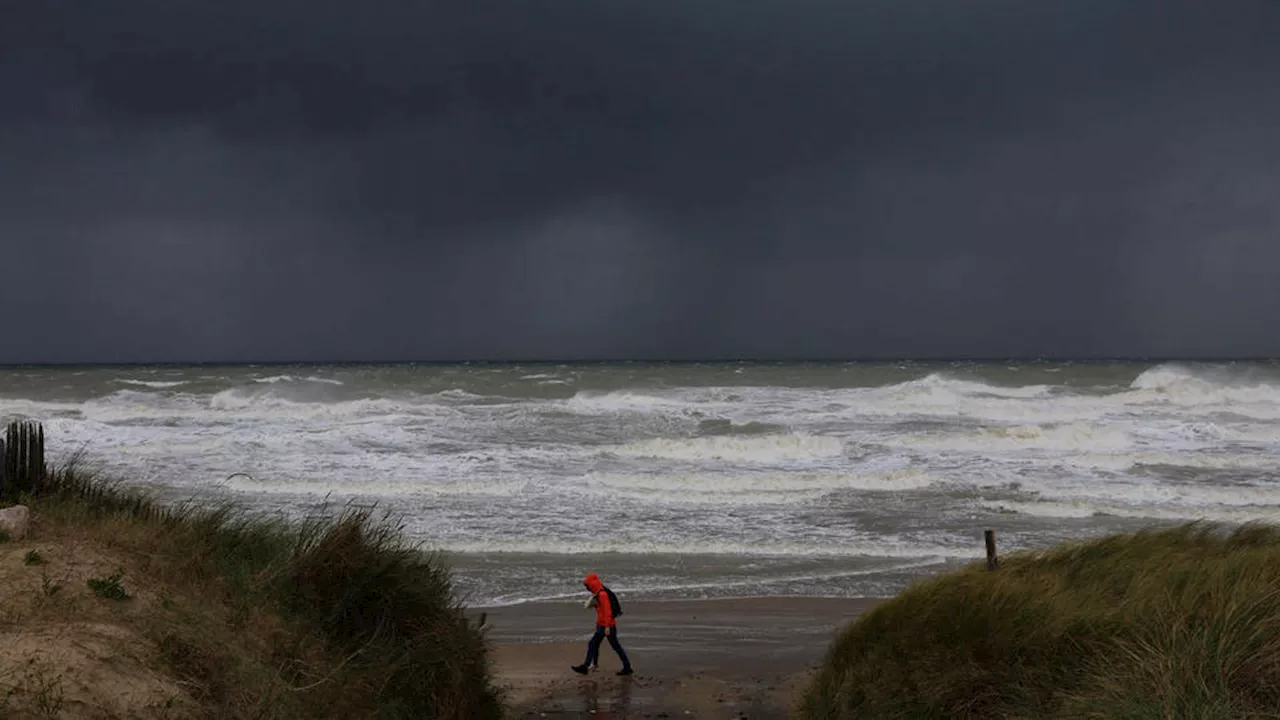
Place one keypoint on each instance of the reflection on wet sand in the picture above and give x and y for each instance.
(613, 701)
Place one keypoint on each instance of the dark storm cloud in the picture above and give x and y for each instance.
(187, 180)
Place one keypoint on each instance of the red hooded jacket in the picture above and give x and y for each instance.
(604, 609)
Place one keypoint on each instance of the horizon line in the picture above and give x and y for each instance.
(728, 360)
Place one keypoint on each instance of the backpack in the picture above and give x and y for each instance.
(613, 603)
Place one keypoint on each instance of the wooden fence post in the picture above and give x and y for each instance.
(11, 460)
(22, 466)
(992, 561)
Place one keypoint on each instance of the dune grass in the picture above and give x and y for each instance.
(330, 617)
(1174, 623)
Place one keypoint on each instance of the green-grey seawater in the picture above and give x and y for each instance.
(690, 480)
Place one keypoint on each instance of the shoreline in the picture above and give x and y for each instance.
(577, 597)
(709, 658)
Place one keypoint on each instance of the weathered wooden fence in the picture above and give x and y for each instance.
(22, 465)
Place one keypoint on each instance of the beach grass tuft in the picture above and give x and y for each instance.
(1178, 622)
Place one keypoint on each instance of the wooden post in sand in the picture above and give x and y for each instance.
(992, 561)
(22, 467)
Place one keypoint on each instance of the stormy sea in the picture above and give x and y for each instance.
(688, 480)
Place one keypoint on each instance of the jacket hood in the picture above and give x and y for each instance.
(593, 583)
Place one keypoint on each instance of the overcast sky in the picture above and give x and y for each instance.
(190, 180)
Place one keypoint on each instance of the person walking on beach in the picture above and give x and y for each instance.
(606, 627)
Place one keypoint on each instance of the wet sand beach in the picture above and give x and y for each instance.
(698, 658)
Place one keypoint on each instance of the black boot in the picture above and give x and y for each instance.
(580, 669)
(625, 671)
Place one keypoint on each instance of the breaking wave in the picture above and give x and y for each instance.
(717, 426)
(1083, 510)
(272, 380)
(941, 388)
(1240, 390)
(1056, 438)
(1143, 493)
(759, 449)
(155, 384)
(683, 463)
(752, 489)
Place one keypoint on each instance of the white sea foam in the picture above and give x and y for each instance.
(940, 388)
(1059, 438)
(751, 489)
(1159, 389)
(1081, 509)
(456, 396)
(590, 403)
(13, 408)
(295, 379)
(1143, 492)
(1173, 384)
(763, 449)
(801, 472)
(248, 403)
(251, 486)
(1045, 509)
(616, 544)
(1192, 459)
(156, 384)
(235, 405)
(1183, 385)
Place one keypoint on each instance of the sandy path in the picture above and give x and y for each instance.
(701, 658)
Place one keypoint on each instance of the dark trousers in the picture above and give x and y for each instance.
(593, 647)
